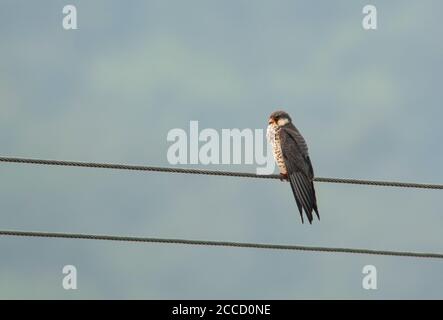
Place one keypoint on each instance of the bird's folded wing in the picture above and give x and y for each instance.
(300, 172)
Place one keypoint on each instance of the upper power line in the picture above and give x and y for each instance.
(211, 172)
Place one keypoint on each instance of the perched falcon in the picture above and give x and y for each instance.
(291, 154)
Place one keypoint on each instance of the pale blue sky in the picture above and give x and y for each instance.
(368, 103)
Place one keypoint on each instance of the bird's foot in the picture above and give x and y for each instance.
(284, 177)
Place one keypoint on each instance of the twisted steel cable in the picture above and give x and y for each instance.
(211, 172)
(218, 243)
(206, 242)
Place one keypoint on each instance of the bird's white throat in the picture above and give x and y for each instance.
(283, 121)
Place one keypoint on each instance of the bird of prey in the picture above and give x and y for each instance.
(291, 155)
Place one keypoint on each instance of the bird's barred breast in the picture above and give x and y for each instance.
(274, 139)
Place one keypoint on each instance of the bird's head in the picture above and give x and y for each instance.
(280, 118)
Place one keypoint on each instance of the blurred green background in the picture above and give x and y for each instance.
(367, 102)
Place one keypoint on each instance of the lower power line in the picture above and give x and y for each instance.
(218, 243)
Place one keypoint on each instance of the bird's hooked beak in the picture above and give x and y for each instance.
(271, 121)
